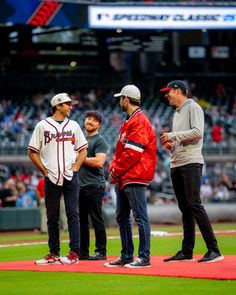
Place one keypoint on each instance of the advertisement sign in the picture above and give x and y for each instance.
(196, 52)
(154, 17)
(41, 13)
(220, 52)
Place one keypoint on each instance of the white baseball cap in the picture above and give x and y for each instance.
(62, 98)
(131, 91)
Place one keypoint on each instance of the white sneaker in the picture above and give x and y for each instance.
(71, 258)
(51, 258)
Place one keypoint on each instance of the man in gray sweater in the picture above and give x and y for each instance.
(185, 146)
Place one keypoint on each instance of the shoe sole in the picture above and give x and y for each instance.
(131, 266)
(49, 263)
(183, 260)
(108, 265)
(213, 260)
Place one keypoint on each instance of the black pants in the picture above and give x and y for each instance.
(53, 193)
(186, 182)
(90, 204)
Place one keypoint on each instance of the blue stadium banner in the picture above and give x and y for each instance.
(42, 13)
(164, 17)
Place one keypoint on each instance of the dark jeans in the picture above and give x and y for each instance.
(186, 182)
(133, 198)
(90, 204)
(53, 193)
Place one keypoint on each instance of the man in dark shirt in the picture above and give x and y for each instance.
(92, 187)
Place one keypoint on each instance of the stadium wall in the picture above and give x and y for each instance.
(28, 219)
(217, 212)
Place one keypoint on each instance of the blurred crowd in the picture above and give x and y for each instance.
(19, 115)
(21, 188)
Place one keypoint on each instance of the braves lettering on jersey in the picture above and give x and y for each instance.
(58, 144)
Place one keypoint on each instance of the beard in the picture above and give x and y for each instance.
(123, 108)
(90, 128)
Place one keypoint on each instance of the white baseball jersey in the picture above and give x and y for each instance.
(57, 145)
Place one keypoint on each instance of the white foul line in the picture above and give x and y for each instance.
(153, 233)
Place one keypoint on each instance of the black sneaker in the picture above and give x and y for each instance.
(97, 256)
(138, 264)
(83, 257)
(179, 256)
(118, 262)
(211, 256)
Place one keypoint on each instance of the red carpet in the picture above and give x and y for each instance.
(223, 270)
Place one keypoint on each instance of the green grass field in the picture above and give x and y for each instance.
(24, 282)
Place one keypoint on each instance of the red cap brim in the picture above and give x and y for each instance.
(165, 89)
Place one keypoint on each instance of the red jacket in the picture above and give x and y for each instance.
(135, 155)
(40, 187)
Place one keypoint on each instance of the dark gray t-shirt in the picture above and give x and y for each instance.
(90, 175)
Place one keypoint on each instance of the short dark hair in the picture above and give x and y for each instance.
(135, 102)
(184, 92)
(53, 109)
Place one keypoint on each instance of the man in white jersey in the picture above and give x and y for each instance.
(58, 148)
(185, 145)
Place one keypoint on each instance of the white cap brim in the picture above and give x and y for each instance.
(118, 94)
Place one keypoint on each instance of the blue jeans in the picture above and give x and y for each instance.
(133, 198)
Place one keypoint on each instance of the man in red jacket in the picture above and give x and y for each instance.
(132, 169)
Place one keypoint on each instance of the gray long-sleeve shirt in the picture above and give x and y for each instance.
(187, 134)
